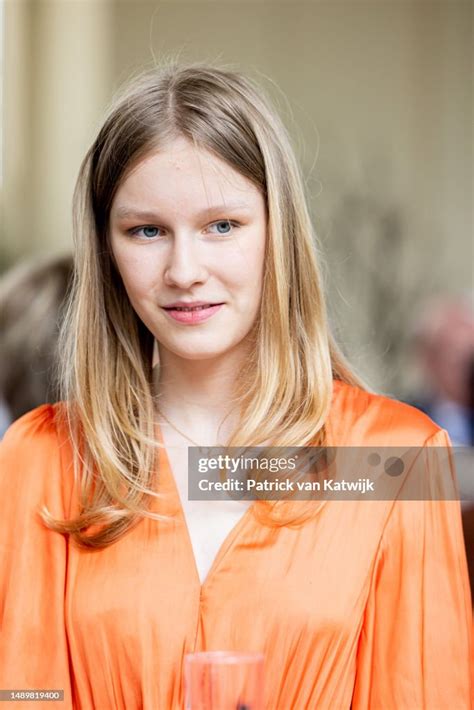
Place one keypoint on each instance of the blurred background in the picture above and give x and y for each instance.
(377, 97)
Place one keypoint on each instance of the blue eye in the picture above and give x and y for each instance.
(227, 224)
(224, 227)
(148, 232)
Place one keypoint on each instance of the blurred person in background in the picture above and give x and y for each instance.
(443, 348)
(193, 237)
(444, 353)
(32, 296)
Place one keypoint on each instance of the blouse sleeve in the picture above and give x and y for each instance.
(414, 646)
(33, 644)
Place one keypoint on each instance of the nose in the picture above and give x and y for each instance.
(184, 266)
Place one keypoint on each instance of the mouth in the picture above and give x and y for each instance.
(192, 308)
(192, 315)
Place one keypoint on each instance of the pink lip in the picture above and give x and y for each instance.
(189, 304)
(193, 317)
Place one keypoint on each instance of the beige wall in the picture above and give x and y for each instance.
(58, 77)
(381, 109)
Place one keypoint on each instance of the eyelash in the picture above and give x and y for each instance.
(135, 230)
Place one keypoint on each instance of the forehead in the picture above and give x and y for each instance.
(180, 174)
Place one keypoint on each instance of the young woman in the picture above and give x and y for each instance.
(198, 317)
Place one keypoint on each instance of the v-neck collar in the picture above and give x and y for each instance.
(230, 539)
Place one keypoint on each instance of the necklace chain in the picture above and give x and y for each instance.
(179, 430)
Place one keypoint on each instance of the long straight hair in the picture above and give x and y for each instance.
(284, 389)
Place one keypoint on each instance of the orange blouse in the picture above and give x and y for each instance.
(365, 606)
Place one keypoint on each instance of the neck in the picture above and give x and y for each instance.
(197, 395)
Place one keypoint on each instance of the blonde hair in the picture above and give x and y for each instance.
(284, 390)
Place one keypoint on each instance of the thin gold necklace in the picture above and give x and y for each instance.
(179, 430)
(201, 448)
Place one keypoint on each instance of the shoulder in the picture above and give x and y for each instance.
(36, 422)
(361, 418)
(35, 455)
(41, 427)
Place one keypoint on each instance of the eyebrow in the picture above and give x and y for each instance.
(125, 211)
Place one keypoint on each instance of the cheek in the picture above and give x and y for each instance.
(241, 278)
(244, 265)
(139, 275)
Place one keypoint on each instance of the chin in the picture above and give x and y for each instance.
(202, 354)
(196, 353)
